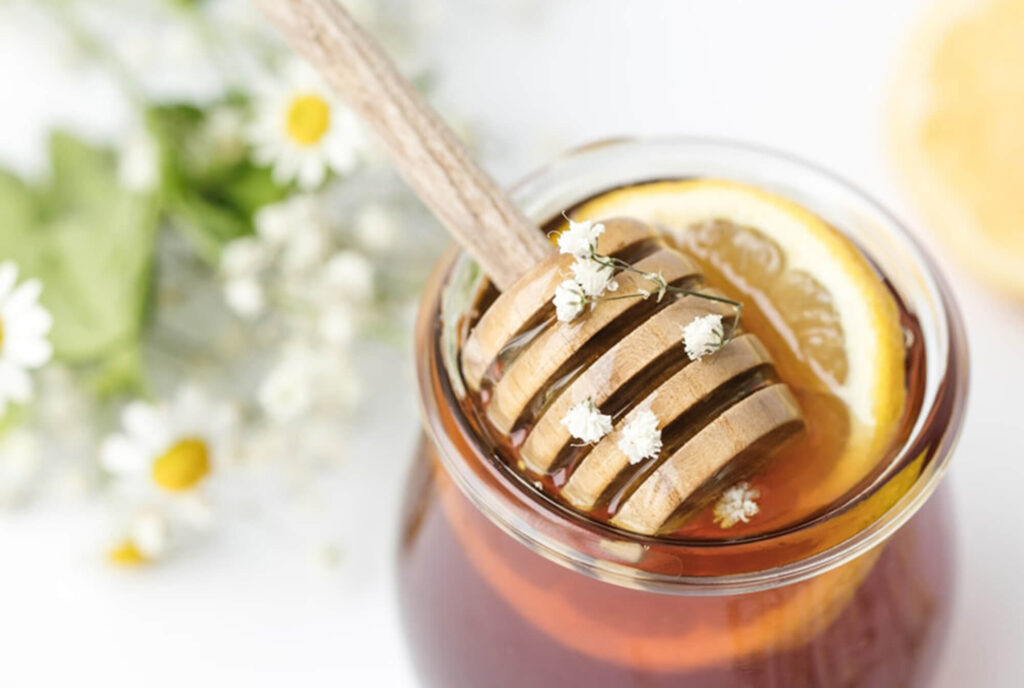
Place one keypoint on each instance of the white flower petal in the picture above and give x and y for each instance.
(23, 299)
(569, 301)
(27, 352)
(593, 277)
(150, 533)
(15, 383)
(580, 239)
(121, 456)
(312, 171)
(147, 425)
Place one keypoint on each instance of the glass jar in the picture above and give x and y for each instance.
(500, 586)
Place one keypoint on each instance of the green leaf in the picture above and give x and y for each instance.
(91, 243)
(210, 199)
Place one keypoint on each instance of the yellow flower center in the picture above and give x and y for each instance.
(309, 117)
(1, 334)
(182, 466)
(127, 554)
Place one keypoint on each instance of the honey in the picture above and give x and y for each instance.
(794, 317)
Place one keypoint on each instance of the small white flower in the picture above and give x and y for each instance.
(302, 131)
(172, 447)
(569, 301)
(737, 504)
(593, 277)
(24, 326)
(348, 275)
(299, 228)
(641, 438)
(337, 324)
(150, 532)
(704, 335)
(287, 391)
(245, 296)
(241, 262)
(138, 162)
(580, 239)
(376, 229)
(306, 377)
(585, 422)
(244, 257)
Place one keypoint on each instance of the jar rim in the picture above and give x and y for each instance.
(606, 552)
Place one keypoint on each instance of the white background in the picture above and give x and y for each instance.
(805, 76)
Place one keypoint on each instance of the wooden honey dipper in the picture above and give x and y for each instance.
(720, 415)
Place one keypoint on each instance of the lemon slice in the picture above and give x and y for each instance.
(836, 325)
(957, 140)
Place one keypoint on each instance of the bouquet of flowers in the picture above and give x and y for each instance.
(179, 309)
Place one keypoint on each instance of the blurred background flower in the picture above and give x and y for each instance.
(235, 240)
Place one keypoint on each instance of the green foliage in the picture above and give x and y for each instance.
(208, 194)
(91, 243)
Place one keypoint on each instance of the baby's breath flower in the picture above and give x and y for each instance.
(736, 505)
(569, 301)
(245, 297)
(704, 335)
(593, 277)
(641, 438)
(244, 257)
(376, 229)
(580, 239)
(241, 263)
(349, 276)
(585, 422)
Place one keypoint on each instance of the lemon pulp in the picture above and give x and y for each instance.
(828, 319)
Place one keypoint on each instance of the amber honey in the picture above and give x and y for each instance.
(502, 583)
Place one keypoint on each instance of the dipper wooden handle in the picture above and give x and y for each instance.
(429, 156)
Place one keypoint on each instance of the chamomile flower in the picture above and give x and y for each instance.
(580, 239)
(170, 449)
(303, 132)
(569, 301)
(376, 229)
(704, 335)
(585, 422)
(737, 504)
(146, 538)
(24, 326)
(641, 438)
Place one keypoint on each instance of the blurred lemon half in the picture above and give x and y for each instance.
(957, 124)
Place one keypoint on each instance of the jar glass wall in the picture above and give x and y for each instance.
(500, 586)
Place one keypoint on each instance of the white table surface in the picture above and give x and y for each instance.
(805, 76)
